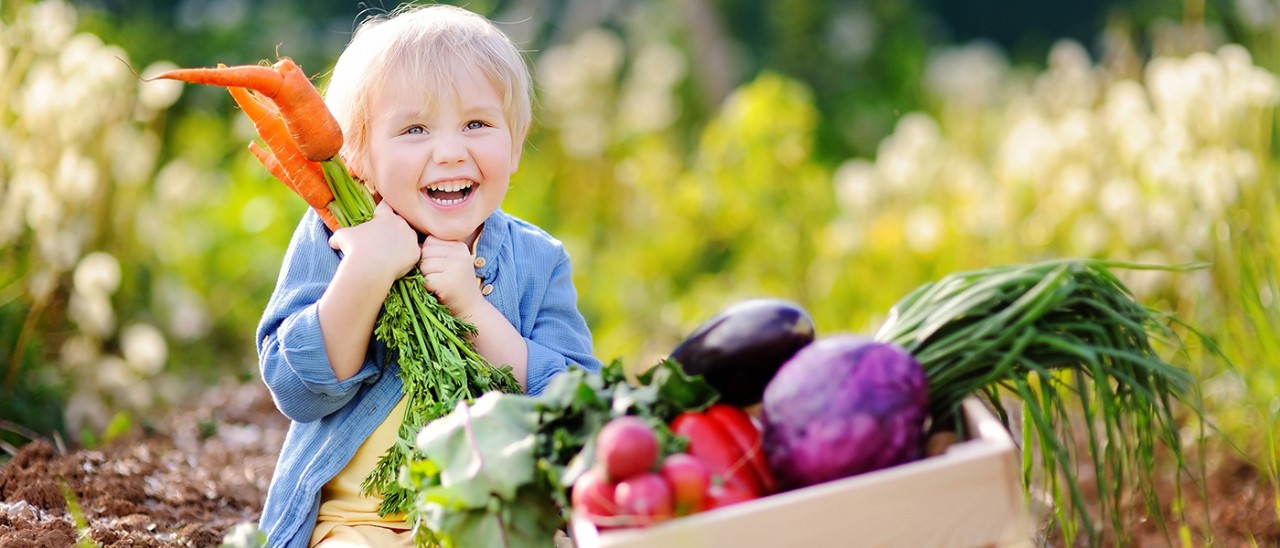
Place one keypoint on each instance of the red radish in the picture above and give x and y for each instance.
(626, 446)
(593, 495)
(689, 479)
(644, 499)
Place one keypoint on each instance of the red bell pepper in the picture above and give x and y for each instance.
(728, 443)
(749, 440)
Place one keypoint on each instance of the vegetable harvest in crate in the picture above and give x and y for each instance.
(1065, 337)
(438, 363)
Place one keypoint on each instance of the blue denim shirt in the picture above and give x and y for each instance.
(532, 286)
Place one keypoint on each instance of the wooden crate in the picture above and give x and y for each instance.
(968, 496)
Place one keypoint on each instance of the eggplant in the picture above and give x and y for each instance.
(739, 349)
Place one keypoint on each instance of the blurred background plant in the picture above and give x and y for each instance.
(689, 153)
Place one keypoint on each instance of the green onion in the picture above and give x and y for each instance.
(1053, 333)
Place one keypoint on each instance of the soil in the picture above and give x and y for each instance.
(184, 483)
(188, 481)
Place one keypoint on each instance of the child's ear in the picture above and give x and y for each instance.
(515, 156)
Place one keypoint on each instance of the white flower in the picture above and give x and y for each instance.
(114, 374)
(856, 186)
(584, 136)
(42, 283)
(646, 110)
(178, 184)
(1170, 92)
(1256, 15)
(93, 313)
(843, 235)
(79, 58)
(61, 249)
(51, 22)
(658, 65)
(923, 230)
(599, 52)
(44, 212)
(77, 178)
(1073, 188)
(971, 75)
(158, 95)
(98, 272)
(1028, 150)
(557, 74)
(904, 156)
(144, 348)
(1119, 198)
(1071, 81)
(1089, 235)
(39, 102)
(79, 350)
(1127, 114)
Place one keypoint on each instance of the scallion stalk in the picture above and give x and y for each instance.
(1052, 333)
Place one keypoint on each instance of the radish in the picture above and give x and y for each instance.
(625, 447)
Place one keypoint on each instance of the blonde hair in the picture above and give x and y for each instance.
(417, 46)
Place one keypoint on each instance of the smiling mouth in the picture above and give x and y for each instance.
(449, 192)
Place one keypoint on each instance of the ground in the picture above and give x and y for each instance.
(196, 475)
(206, 469)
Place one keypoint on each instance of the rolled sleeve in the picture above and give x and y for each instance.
(559, 337)
(291, 352)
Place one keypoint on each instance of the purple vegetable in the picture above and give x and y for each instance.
(739, 349)
(841, 406)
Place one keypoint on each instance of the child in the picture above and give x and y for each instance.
(434, 103)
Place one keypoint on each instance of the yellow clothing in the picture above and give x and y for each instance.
(348, 518)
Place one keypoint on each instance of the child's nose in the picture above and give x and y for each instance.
(449, 150)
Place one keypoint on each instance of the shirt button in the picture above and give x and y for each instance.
(487, 290)
(479, 262)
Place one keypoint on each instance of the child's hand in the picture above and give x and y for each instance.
(450, 275)
(383, 248)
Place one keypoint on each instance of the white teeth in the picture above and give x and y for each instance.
(447, 202)
(449, 186)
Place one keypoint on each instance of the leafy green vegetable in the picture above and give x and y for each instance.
(498, 472)
(1051, 332)
(439, 366)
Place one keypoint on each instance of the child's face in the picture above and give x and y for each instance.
(444, 170)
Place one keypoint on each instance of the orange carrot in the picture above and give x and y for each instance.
(311, 126)
(305, 177)
(277, 170)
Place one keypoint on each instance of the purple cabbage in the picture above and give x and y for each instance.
(843, 405)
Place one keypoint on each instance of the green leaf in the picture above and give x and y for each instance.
(483, 449)
(676, 391)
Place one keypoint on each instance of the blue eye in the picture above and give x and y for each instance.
(476, 124)
(415, 130)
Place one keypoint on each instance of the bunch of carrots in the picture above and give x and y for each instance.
(438, 362)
